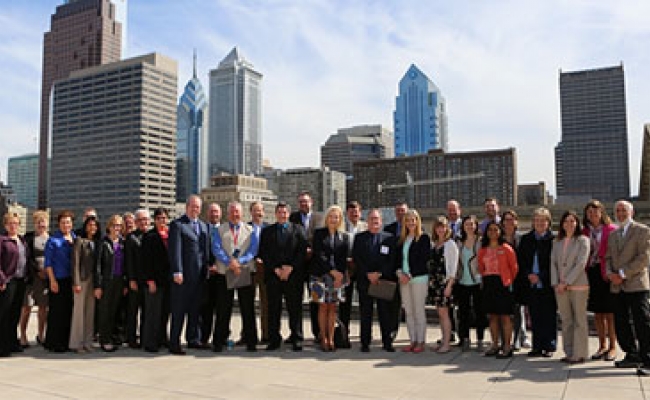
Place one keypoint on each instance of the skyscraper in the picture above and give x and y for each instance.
(420, 117)
(591, 160)
(83, 33)
(191, 135)
(22, 176)
(644, 177)
(235, 129)
(116, 155)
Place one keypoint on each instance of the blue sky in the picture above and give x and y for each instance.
(329, 64)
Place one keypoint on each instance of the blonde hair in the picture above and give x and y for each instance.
(441, 220)
(112, 221)
(544, 212)
(8, 216)
(418, 226)
(40, 215)
(339, 211)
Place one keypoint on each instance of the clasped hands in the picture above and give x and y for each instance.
(283, 272)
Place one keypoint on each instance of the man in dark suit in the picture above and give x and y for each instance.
(282, 251)
(374, 256)
(395, 229)
(209, 299)
(189, 256)
(627, 259)
(310, 221)
(353, 226)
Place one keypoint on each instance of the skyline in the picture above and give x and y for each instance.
(332, 65)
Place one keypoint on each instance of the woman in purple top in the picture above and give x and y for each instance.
(13, 271)
(110, 280)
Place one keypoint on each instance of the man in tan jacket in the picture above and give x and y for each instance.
(628, 257)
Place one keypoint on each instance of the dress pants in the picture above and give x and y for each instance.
(208, 308)
(634, 338)
(156, 316)
(345, 307)
(572, 305)
(385, 311)
(470, 304)
(83, 316)
(264, 305)
(185, 301)
(291, 290)
(7, 333)
(135, 304)
(543, 318)
(109, 308)
(59, 317)
(16, 309)
(225, 298)
(414, 296)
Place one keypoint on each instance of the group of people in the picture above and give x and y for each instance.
(135, 279)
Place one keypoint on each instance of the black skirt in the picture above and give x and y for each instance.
(601, 299)
(497, 299)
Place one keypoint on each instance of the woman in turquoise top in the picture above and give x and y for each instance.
(413, 252)
(467, 291)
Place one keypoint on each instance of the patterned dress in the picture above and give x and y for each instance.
(438, 279)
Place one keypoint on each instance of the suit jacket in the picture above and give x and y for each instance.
(9, 258)
(155, 259)
(571, 262)
(370, 258)
(528, 246)
(631, 255)
(316, 221)
(275, 254)
(323, 251)
(84, 257)
(393, 229)
(419, 254)
(189, 252)
(105, 263)
(133, 255)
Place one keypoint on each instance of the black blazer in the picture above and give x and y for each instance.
(525, 255)
(369, 258)
(32, 264)
(291, 252)
(323, 250)
(419, 254)
(155, 259)
(133, 255)
(392, 229)
(105, 263)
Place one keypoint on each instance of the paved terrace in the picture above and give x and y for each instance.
(311, 374)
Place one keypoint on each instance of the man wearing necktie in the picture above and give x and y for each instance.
(627, 259)
(189, 256)
(234, 246)
(310, 221)
(282, 251)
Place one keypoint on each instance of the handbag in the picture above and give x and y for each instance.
(238, 281)
(384, 290)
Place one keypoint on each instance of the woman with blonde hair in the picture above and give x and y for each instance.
(413, 252)
(442, 275)
(110, 280)
(330, 247)
(36, 294)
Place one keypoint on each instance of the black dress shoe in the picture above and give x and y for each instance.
(109, 348)
(643, 370)
(217, 348)
(535, 353)
(288, 340)
(547, 353)
(365, 348)
(177, 351)
(17, 349)
(251, 348)
(151, 350)
(389, 348)
(273, 346)
(240, 342)
(504, 355)
(628, 362)
(264, 341)
(194, 345)
(134, 345)
(297, 346)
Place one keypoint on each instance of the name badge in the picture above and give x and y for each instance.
(384, 249)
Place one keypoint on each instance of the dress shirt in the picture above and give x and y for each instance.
(58, 254)
(243, 258)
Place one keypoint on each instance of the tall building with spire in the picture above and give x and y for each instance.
(235, 130)
(83, 34)
(191, 136)
(420, 117)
